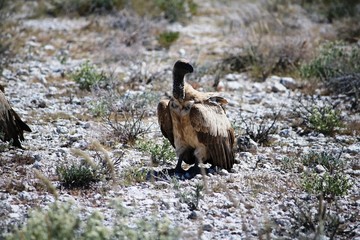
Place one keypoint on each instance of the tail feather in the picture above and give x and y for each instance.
(19, 123)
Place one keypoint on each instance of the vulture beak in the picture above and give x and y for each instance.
(180, 69)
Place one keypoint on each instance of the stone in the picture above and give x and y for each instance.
(207, 227)
(289, 83)
(274, 85)
(246, 144)
(192, 215)
(320, 169)
(353, 148)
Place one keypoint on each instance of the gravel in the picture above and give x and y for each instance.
(257, 199)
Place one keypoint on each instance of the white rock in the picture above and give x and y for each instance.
(289, 83)
(232, 77)
(233, 85)
(49, 48)
(274, 85)
(354, 148)
(319, 168)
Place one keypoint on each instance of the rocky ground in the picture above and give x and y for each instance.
(261, 198)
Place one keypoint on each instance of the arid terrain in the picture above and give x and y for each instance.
(87, 80)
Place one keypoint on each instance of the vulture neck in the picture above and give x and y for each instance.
(178, 87)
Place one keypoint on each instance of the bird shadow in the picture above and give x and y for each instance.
(169, 173)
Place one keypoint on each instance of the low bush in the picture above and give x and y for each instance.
(331, 162)
(88, 76)
(160, 153)
(77, 175)
(89, 170)
(79, 7)
(332, 182)
(333, 59)
(336, 65)
(325, 120)
(128, 127)
(322, 117)
(176, 10)
(260, 132)
(133, 174)
(332, 9)
(63, 221)
(167, 38)
(127, 120)
(191, 198)
(328, 185)
(172, 10)
(265, 58)
(321, 220)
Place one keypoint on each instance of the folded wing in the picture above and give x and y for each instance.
(214, 130)
(11, 126)
(164, 120)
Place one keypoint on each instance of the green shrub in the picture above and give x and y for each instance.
(133, 174)
(337, 67)
(175, 10)
(79, 7)
(325, 120)
(191, 198)
(172, 10)
(87, 76)
(159, 152)
(320, 220)
(165, 39)
(99, 108)
(148, 228)
(332, 9)
(334, 59)
(61, 222)
(331, 162)
(320, 116)
(266, 58)
(77, 175)
(329, 185)
(333, 182)
(90, 169)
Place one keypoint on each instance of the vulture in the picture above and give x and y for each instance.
(196, 124)
(11, 126)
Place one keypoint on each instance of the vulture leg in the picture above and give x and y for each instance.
(178, 168)
(186, 156)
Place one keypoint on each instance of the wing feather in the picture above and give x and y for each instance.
(165, 122)
(215, 132)
(11, 125)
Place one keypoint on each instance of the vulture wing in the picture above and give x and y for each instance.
(11, 125)
(215, 132)
(165, 122)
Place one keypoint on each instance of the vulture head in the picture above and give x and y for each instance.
(180, 69)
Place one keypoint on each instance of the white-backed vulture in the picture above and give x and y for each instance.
(11, 126)
(196, 124)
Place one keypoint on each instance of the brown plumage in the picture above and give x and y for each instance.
(196, 124)
(11, 126)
